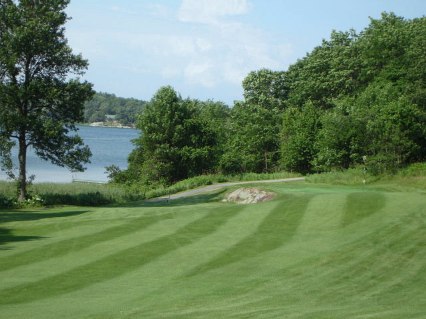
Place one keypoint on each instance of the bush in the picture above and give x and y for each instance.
(382, 164)
(6, 202)
(352, 176)
(414, 170)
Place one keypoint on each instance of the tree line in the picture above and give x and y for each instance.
(122, 110)
(356, 99)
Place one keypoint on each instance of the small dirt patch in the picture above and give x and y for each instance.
(249, 196)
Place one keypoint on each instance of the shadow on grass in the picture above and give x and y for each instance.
(184, 201)
(80, 199)
(18, 216)
(7, 237)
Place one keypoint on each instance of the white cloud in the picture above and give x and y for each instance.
(227, 50)
(210, 11)
(201, 47)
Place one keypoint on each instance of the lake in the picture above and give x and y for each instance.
(108, 145)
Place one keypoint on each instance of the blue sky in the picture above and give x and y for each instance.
(205, 48)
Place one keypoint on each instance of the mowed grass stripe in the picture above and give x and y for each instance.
(276, 229)
(361, 205)
(350, 259)
(117, 264)
(305, 281)
(33, 272)
(373, 266)
(69, 245)
(164, 273)
(349, 271)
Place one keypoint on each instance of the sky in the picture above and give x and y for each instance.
(205, 48)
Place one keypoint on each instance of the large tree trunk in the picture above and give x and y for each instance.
(22, 159)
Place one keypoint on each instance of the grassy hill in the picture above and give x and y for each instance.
(314, 252)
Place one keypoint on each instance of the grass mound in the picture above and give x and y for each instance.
(314, 252)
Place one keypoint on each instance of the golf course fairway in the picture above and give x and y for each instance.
(314, 251)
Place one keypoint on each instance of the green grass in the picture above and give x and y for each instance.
(84, 194)
(411, 177)
(316, 251)
(92, 194)
(203, 180)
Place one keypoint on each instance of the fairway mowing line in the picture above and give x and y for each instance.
(24, 228)
(67, 245)
(323, 215)
(38, 249)
(159, 276)
(361, 205)
(237, 228)
(264, 226)
(283, 219)
(119, 263)
(304, 277)
(184, 258)
(154, 228)
(347, 273)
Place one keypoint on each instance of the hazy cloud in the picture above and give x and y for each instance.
(210, 11)
(228, 49)
(198, 45)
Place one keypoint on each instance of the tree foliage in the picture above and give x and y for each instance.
(371, 87)
(266, 88)
(40, 101)
(124, 110)
(178, 139)
(358, 98)
(253, 142)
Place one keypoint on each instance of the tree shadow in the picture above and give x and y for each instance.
(7, 237)
(18, 216)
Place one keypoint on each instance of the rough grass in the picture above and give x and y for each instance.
(83, 194)
(91, 194)
(317, 251)
(413, 176)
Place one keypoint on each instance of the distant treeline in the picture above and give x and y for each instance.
(357, 99)
(108, 107)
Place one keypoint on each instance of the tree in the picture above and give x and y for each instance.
(393, 129)
(41, 97)
(338, 142)
(176, 141)
(266, 88)
(330, 71)
(300, 128)
(253, 144)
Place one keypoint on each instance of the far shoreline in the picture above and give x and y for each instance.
(104, 124)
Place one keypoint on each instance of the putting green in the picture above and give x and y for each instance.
(313, 252)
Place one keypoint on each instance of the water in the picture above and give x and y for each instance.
(108, 145)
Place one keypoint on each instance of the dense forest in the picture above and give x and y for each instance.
(356, 99)
(104, 107)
